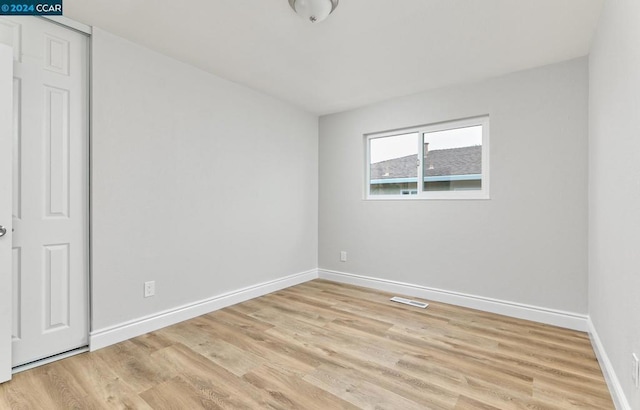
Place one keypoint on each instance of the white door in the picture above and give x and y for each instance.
(6, 82)
(50, 188)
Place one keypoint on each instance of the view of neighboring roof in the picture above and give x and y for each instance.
(452, 161)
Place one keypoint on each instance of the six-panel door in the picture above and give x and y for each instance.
(50, 188)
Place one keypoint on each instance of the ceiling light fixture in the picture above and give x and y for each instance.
(313, 10)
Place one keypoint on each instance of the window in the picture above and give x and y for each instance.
(452, 160)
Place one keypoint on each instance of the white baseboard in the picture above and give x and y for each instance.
(617, 394)
(560, 318)
(115, 334)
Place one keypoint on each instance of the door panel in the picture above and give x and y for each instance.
(10, 34)
(17, 157)
(50, 189)
(57, 160)
(16, 260)
(56, 306)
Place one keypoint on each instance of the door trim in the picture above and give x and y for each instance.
(50, 359)
(72, 24)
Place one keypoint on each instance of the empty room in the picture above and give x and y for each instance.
(319, 204)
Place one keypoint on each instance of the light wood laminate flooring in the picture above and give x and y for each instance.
(323, 345)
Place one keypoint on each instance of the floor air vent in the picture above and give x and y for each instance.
(409, 302)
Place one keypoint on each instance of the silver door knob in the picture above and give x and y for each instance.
(3, 231)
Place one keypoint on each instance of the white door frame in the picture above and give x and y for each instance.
(6, 133)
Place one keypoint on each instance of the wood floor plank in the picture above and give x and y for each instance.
(293, 390)
(18, 394)
(214, 384)
(467, 403)
(152, 342)
(324, 345)
(496, 391)
(232, 358)
(135, 366)
(278, 351)
(454, 374)
(524, 338)
(98, 380)
(247, 322)
(569, 398)
(367, 368)
(178, 394)
(371, 351)
(57, 387)
(361, 393)
(189, 333)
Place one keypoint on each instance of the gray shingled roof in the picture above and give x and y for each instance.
(453, 161)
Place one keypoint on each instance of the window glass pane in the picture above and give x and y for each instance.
(453, 159)
(393, 162)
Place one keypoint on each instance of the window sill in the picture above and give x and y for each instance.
(432, 197)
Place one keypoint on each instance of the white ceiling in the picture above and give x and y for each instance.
(366, 51)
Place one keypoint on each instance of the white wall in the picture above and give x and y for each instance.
(198, 183)
(614, 188)
(527, 244)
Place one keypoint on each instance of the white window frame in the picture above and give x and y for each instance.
(482, 193)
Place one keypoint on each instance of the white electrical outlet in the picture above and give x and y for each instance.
(343, 256)
(635, 370)
(149, 289)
